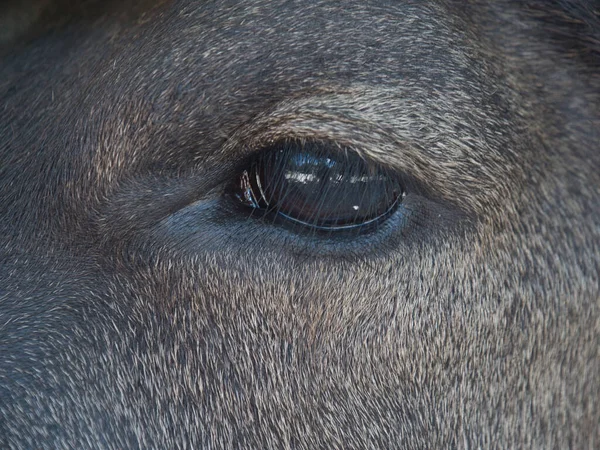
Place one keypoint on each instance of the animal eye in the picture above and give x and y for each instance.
(316, 186)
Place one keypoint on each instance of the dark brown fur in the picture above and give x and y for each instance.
(140, 309)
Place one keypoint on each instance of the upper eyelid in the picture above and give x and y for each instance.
(311, 119)
(436, 149)
(353, 127)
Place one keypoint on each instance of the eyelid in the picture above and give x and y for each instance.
(320, 119)
(407, 137)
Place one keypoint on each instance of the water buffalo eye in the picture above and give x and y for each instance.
(320, 187)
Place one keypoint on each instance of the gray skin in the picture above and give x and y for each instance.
(141, 307)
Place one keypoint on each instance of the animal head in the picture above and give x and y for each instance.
(172, 275)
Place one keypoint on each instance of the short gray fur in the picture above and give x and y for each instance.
(140, 309)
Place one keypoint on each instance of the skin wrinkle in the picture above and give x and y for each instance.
(140, 309)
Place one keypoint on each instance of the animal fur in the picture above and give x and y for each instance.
(140, 309)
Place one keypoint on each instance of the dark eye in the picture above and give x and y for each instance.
(319, 187)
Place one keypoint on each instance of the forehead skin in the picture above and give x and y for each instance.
(139, 308)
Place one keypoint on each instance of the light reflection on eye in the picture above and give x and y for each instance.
(300, 177)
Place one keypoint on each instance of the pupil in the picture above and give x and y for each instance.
(320, 188)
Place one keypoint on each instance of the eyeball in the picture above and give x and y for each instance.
(319, 186)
